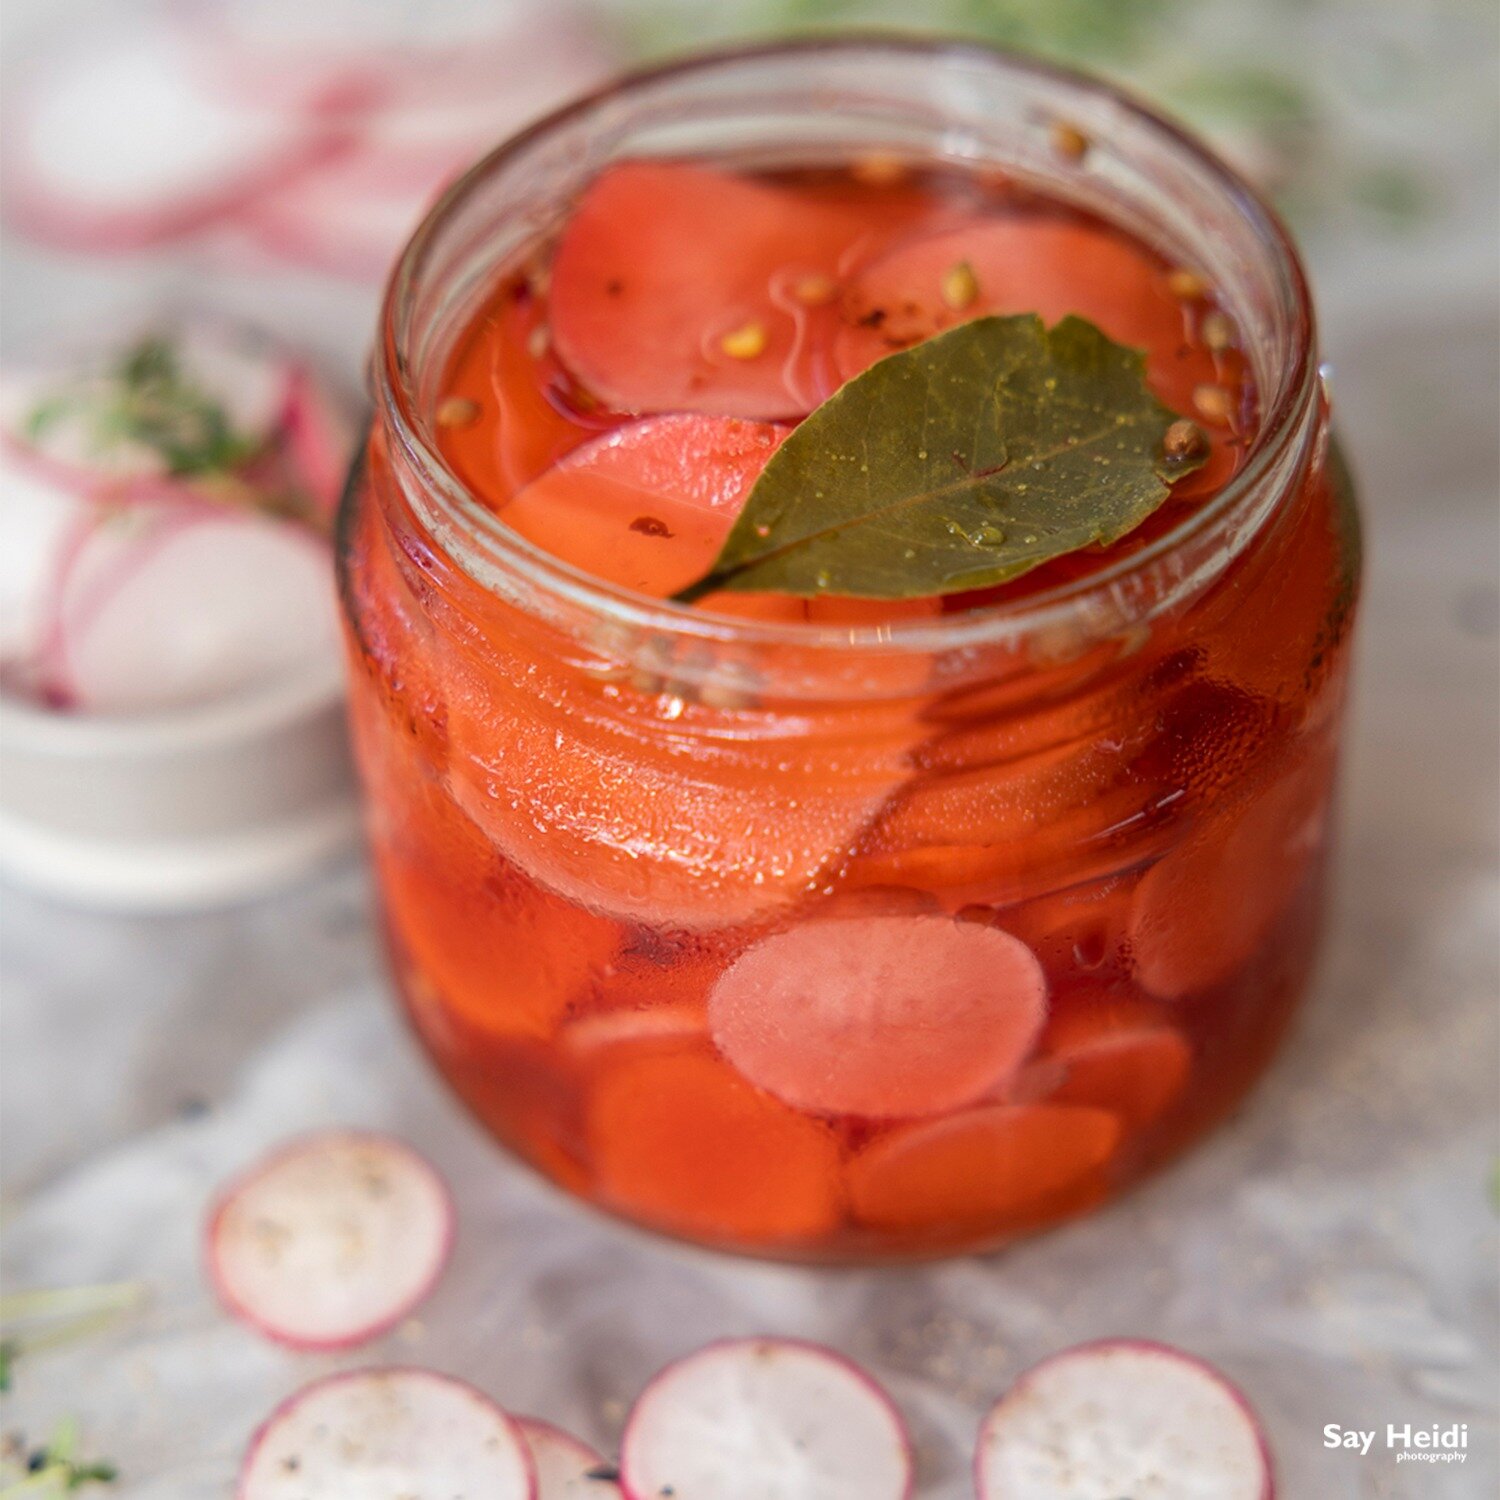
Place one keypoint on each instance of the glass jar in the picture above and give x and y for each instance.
(626, 850)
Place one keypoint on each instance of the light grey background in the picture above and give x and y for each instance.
(1333, 1249)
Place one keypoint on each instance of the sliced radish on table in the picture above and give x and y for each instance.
(286, 54)
(675, 288)
(329, 222)
(648, 505)
(897, 1015)
(681, 1141)
(390, 1434)
(1122, 1418)
(566, 1469)
(116, 144)
(419, 141)
(1049, 267)
(987, 1167)
(331, 1241)
(752, 1419)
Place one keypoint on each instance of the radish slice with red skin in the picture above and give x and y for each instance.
(1000, 1165)
(319, 437)
(649, 504)
(76, 178)
(181, 605)
(661, 261)
(286, 55)
(332, 1240)
(1122, 1417)
(593, 1037)
(746, 1419)
(1049, 267)
(39, 519)
(566, 1469)
(880, 1016)
(326, 222)
(681, 1141)
(1136, 1074)
(1201, 912)
(387, 1435)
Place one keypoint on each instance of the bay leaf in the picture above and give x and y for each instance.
(962, 462)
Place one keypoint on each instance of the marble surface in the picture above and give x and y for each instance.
(1333, 1249)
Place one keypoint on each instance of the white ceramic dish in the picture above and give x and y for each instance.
(176, 810)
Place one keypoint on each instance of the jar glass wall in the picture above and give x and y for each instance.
(627, 851)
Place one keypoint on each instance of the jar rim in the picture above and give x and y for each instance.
(1283, 422)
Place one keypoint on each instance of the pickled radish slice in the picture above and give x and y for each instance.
(683, 1142)
(1136, 1074)
(506, 958)
(1081, 1020)
(648, 505)
(748, 1419)
(1203, 910)
(884, 1016)
(979, 1169)
(566, 1469)
(332, 1240)
(116, 145)
(1122, 1417)
(1052, 268)
(637, 830)
(672, 290)
(386, 1435)
(592, 1038)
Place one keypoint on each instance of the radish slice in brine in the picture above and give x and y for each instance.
(681, 1141)
(650, 504)
(674, 288)
(566, 1469)
(1003, 1167)
(882, 1016)
(387, 1435)
(1138, 1075)
(1122, 1417)
(332, 1240)
(752, 1418)
(1051, 268)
